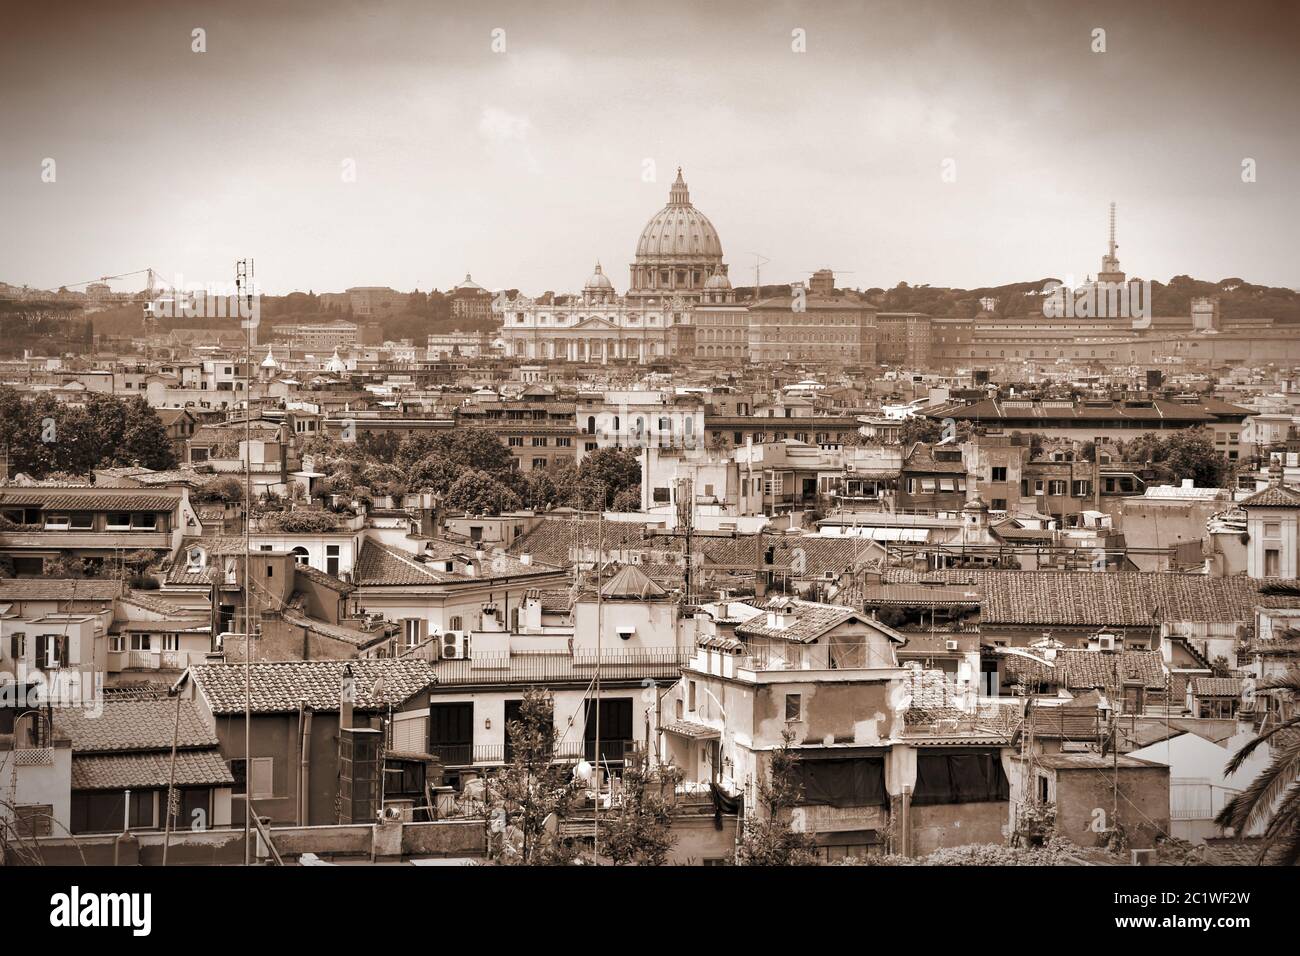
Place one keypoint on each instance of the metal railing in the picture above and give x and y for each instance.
(466, 755)
(545, 668)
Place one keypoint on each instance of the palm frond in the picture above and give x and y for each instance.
(1242, 755)
(1284, 828)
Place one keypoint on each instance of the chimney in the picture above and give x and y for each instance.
(347, 696)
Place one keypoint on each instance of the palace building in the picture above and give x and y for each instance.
(677, 256)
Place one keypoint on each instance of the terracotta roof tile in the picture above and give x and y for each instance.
(134, 725)
(149, 771)
(280, 687)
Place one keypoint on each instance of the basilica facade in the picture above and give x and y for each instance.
(678, 264)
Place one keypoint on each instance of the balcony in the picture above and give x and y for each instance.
(154, 660)
(489, 755)
(579, 667)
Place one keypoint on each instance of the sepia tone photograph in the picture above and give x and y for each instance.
(836, 435)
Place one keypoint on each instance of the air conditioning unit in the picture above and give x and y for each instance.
(454, 646)
(951, 645)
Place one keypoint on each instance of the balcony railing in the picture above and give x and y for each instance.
(467, 755)
(546, 668)
(802, 657)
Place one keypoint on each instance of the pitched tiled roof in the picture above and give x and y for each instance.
(1082, 669)
(281, 686)
(1112, 599)
(1274, 496)
(819, 554)
(379, 565)
(810, 621)
(348, 635)
(1216, 686)
(631, 582)
(149, 771)
(553, 539)
(325, 580)
(134, 725)
(59, 589)
(112, 501)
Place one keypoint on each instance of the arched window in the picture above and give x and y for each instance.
(300, 556)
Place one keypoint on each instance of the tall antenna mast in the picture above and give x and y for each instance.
(1112, 230)
(243, 270)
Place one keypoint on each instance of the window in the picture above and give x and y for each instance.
(300, 556)
(332, 558)
(539, 441)
(455, 623)
(139, 642)
(793, 707)
(18, 646)
(515, 441)
(999, 473)
(998, 504)
(1081, 488)
(1272, 563)
(690, 704)
(119, 521)
(33, 820)
(82, 522)
(262, 788)
(1056, 486)
(539, 464)
(563, 442)
(144, 522)
(412, 632)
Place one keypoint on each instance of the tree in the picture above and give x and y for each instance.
(629, 499)
(1273, 798)
(918, 429)
(769, 839)
(524, 796)
(1191, 454)
(615, 469)
(225, 490)
(433, 473)
(478, 493)
(639, 831)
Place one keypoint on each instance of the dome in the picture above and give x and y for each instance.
(679, 230)
(599, 280)
(717, 281)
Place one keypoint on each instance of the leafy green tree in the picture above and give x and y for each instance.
(629, 499)
(768, 838)
(434, 473)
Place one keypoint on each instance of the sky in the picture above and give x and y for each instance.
(523, 142)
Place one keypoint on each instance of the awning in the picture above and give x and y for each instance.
(691, 730)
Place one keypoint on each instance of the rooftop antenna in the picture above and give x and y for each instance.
(1113, 246)
(760, 260)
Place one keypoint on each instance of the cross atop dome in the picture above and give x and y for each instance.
(677, 195)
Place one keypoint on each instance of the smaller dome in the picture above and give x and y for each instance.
(717, 281)
(599, 280)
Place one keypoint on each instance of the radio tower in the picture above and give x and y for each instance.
(1110, 271)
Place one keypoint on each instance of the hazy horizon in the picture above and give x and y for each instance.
(525, 167)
